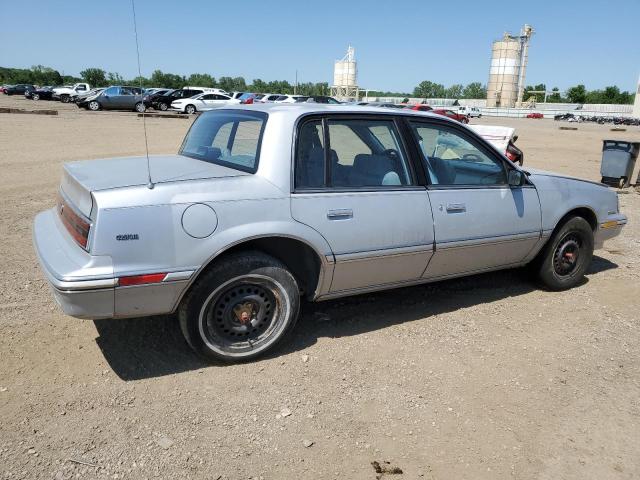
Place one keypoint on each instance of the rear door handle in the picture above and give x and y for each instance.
(456, 207)
(343, 214)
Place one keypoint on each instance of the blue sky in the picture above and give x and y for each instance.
(398, 43)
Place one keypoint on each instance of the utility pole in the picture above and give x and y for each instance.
(295, 87)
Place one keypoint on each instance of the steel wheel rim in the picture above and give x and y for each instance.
(266, 303)
(567, 255)
(36, 96)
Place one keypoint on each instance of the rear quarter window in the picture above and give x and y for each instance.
(230, 138)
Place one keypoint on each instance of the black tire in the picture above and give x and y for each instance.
(93, 105)
(240, 308)
(190, 109)
(566, 257)
(64, 98)
(140, 107)
(163, 106)
(35, 96)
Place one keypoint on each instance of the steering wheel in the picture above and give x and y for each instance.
(471, 157)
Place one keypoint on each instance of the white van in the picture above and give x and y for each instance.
(470, 111)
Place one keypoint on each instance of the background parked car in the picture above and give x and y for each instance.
(151, 96)
(535, 115)
(421, 108)
(18, 89)
(78, 99)
(322, 99)
(451, 114)
(270, 97)
(470, 111)
(203, 102)
(42, 93)
(66, 93)
(114, 98)
(290, 98)
(163, 102)
(3, 88)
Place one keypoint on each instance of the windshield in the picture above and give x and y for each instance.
(226, 137)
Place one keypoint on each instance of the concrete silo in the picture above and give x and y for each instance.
(345, 84)
(508, 68)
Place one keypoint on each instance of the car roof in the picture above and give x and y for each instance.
(296, 110)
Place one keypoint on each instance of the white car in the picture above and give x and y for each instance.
(470, 111)
(203, 102)
(270, 97)
(290, 98)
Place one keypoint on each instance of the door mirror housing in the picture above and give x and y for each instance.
(515, 178)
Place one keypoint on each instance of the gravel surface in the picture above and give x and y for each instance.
(484, 377)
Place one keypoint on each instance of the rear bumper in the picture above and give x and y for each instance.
(610, 228)
(82, 284)
(86, 286)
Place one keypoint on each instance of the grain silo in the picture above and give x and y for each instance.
(345, 84)
(508, 68)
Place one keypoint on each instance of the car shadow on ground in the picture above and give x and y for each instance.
(150, 347)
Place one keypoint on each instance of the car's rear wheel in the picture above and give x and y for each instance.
(190, 109)
(164, 107)
(465, 120)
(64, 98)
(140, 108)
(567, 256)
(93, 105)
(35, 96)
(240, 308)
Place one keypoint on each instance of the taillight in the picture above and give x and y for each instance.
(77, 226)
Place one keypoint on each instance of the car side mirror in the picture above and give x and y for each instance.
(515, 178)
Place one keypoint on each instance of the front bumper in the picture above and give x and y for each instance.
(610, 228)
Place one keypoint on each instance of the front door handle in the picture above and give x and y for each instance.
(342, 214)
(456, 207)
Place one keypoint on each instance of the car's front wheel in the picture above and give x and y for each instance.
(190, 109)
(93, 105)
(164, 107)
(35, 96)
(240, 308)
(64, 98)
(567, 256)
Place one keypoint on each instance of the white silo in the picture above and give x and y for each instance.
(345, 74)
(508, 68)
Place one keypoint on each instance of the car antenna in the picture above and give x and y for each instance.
(144, 114)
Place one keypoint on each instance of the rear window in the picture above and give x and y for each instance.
(226, 137)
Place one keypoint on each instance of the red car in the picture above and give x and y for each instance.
(420, 107)
(535, 115)
(451, 114)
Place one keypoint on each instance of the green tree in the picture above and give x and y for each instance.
(114, 78)
(96, 77)
(454, 91)
(577, 94)
(258, 86)
(428, 89)
(201, 80)
(555, 96)
(541, 88)
(167, 80)
(474, 90)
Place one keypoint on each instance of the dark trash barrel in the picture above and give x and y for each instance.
(618, 159)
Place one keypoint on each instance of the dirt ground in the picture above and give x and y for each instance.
(485, 377)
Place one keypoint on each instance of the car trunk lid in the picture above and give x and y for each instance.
(83, 177)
